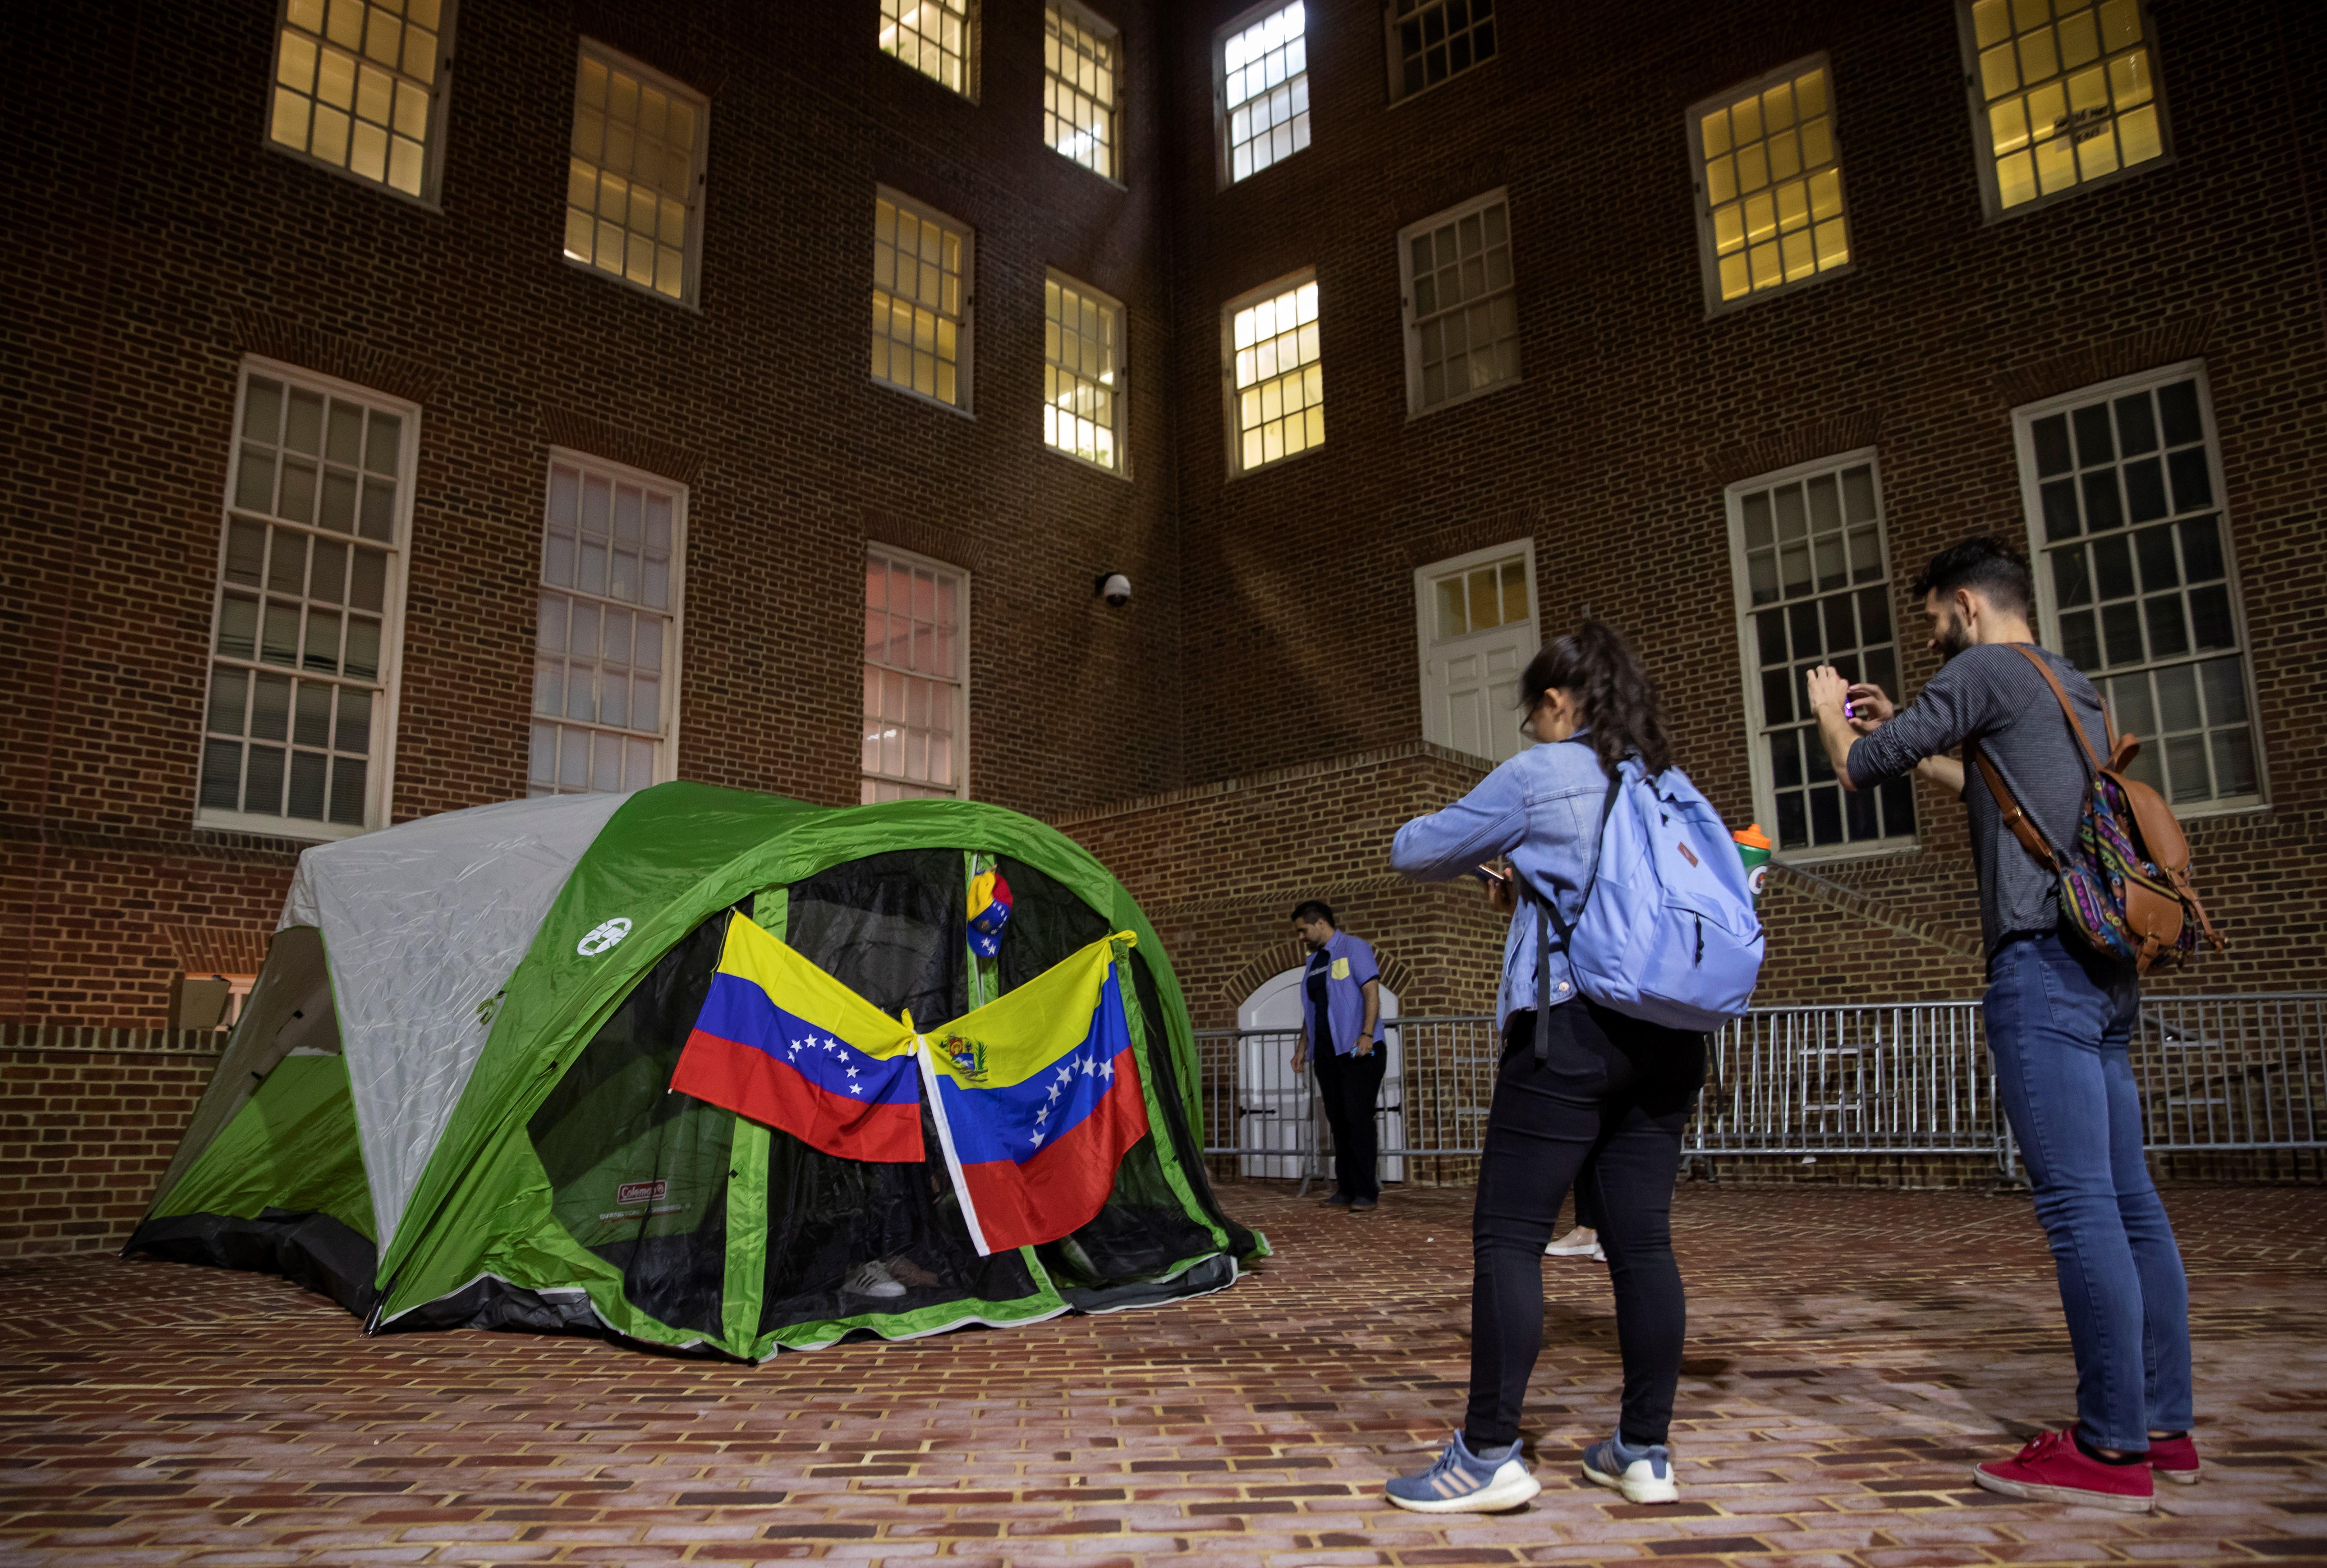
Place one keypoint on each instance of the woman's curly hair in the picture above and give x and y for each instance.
(1617, 700)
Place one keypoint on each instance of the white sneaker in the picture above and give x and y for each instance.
(1647, 1479)
(1580, 1242)
(873, 1279)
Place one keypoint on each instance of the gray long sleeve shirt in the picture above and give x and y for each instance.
(1991, 694)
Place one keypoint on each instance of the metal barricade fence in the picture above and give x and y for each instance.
(2228, 1072)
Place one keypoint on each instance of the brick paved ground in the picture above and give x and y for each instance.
(1851, 1352)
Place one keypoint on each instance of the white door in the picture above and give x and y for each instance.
(1476, 618)
(1273, 1103)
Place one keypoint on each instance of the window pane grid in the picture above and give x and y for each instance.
(1266, 94)
(1480, 599)
(1082, 395)
(601, 691)
(630, 182)
(355, 86)
(1465, 312)
(1772, 181)
(1079, 63)
(1280, 398)
(2068, 90)
(917, 261)
(932, 36)
(912, 680)
(1437, 39)
(1818, 593)
(300, 620)
(2139, 570)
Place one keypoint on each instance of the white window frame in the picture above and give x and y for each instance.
(1120, 430)
(1708, 253)
(1749, 656)
(1291, 281)
(1394, 53)
(1425, 612)
(1090, 21)
(972, 53)
(1991, 194)
(962, 650)
(432, 155)
(379, 793)
(691, 264)
(666, 766)
(1415, 406)
(966, 375)
(1223, 150)
(2047, 610)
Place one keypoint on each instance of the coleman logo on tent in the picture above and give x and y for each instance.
(640, 1192)
(602, 935)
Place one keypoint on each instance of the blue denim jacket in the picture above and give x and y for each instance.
(1541, 808)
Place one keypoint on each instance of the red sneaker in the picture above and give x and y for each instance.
(2174, 1459)
(2052, 1469)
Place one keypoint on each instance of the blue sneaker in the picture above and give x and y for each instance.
(1644, 1475)
(1462, 1483)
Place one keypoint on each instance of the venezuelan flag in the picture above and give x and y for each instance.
(780, 1042)
(1036, 1098)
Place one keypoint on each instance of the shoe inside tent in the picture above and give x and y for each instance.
(446, 1103)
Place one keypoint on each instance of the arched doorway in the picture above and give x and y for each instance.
(1275, 1107)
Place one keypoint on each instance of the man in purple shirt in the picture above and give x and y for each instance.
(1341, 1005)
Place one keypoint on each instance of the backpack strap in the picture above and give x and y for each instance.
(1547, 916)
(2015, 816)
(2093, 763)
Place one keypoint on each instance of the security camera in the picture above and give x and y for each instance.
(1116, 588)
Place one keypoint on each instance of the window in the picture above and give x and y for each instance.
(1277, 402)
(358, 86)
(932, 36)
(1264, 66)
(2062, 93)
(605, 670)
(1462, 318)
(1080, 61)
(1476, 618)
(916, 649)
(920, 304)
(2135, 582)
(300, 718)
(1769, 185)
(633, 173)
(1432, 39)
(1807, 553)
(1082, 375)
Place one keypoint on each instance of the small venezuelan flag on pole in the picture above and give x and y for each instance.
(780, 1042)
(1036, 1098)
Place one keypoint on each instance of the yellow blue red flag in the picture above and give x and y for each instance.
(1036, 1098)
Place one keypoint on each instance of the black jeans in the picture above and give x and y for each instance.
(1348, 1085)
(1615, 1093)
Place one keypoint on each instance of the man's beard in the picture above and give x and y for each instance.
(1952, 637)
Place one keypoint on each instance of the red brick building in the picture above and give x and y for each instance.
(413, 404)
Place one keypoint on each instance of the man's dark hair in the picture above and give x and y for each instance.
(1985, 564)
(1310, 910)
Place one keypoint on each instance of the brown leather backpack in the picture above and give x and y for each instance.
(2125, 884)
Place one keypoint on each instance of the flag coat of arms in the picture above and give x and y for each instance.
(782, 1042)
(1036, 1098)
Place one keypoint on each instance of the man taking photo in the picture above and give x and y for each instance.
(2058, 1015)
(1340, 1004)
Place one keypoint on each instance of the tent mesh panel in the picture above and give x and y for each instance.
(638, 1174)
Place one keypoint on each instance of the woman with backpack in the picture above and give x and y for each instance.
(1578, 1082)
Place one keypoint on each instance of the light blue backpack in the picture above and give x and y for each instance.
(1666, 931)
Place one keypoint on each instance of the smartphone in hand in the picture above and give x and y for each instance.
(1489, 874)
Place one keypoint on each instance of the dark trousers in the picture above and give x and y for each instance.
(1348, 1085)
(1614, 1093)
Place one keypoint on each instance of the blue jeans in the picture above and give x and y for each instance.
(2060, 1019)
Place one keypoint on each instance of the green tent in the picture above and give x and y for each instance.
(447, 1104)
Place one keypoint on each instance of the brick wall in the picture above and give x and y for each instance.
(1636, 411)
(89, 1120)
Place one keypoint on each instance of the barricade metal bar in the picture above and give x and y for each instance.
(2232, 1072)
